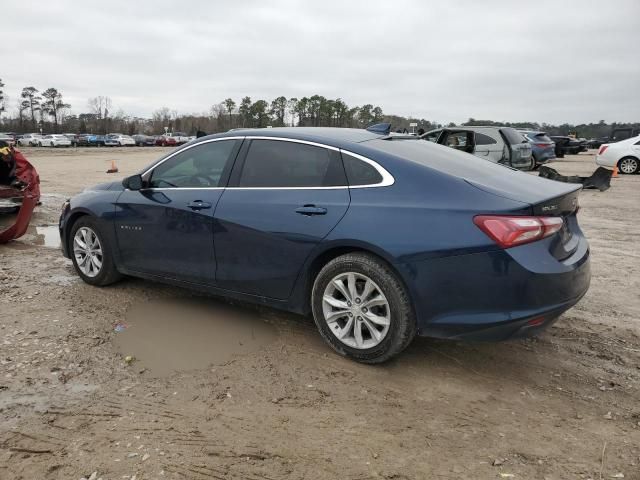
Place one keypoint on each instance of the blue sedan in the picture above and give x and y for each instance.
(379, 238)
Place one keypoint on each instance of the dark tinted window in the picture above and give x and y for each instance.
(482, 139)
(276, 163)
(538, 137)
(199, 166)
(359, 172)
(513, 136)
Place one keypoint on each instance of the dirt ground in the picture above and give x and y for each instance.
(221, 391)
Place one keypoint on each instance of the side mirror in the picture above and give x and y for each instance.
(134, 182)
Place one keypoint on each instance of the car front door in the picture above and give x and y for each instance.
(283, 198)
(166, 228)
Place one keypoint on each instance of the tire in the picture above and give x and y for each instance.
(107, 273)
(401, 323)
(629, 165)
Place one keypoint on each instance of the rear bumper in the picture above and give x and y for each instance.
(605, 161)
(496, 295)
(544, 156)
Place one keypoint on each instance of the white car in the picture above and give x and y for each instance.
(624, 154)
(54, 141)
(119, 140)
(29, 140)
(180, 137)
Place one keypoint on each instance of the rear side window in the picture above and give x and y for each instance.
(277, 163)
(360, 172)
(513, 136)
(482, 139)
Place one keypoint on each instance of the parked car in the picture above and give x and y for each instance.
(180, 137)
(54, 141)
(118, 140)
(72, 138)
(95, 140)
(543, 148)
(597, 142)
(29, 140)
(503, 145)
(166, 141)
(81, 140)
(378, 238)
(624, 154)
(8, 138)
(144, 140)
(568, 145)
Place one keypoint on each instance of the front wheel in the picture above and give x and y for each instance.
(629, 165)
(362, 309)
(91, 253)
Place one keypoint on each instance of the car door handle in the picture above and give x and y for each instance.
(309, 210)
(199, 205)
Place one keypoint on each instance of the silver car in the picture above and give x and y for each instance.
(497, 144)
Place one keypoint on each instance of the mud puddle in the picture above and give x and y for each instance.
(168, 337)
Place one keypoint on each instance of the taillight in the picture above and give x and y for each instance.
(603, 149)
(542, 145)
(517, 230)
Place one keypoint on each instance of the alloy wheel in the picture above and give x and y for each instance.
(629, 165)
(87, 251)
(356, 310)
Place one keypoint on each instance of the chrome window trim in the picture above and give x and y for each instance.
(187, 147)
(387, 178)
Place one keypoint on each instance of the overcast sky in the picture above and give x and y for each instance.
(569, 61)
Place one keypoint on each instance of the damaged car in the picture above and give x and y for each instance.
(19, 192)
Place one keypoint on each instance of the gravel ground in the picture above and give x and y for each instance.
(239, 392)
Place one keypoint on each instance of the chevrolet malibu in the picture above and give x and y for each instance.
(379, 239)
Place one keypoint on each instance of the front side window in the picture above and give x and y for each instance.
(276, 163)
(200, 166)
(457, 139)
(432, 136)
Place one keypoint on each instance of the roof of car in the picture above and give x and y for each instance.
(334, 134)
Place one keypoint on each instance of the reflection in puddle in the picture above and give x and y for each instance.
(169, 337)
(47, 236)
(44, 235)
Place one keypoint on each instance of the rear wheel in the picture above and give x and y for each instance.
(91, 253)
(362, 309)
(629, 165)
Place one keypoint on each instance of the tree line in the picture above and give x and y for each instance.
(48, 111)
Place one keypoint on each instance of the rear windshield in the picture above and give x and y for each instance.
(439, 157)
(513, 136)
(539, 137)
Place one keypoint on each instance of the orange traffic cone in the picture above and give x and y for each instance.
(113, 168)
(615, 172)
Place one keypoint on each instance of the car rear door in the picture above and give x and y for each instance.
(519, 148)
(166, 228)
(483, 144)
(283, 199)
